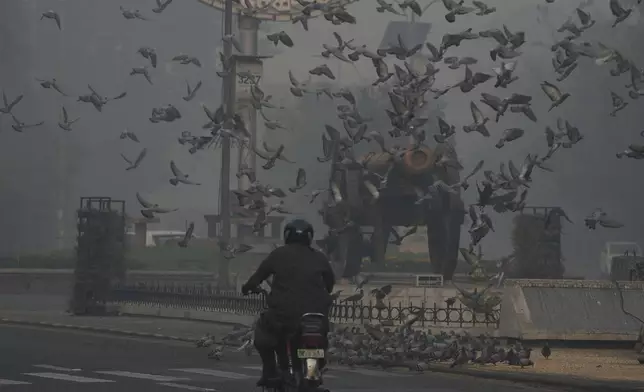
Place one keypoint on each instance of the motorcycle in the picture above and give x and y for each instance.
(304, 354)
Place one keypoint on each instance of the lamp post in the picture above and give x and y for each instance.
(246, 70)
(228, 98)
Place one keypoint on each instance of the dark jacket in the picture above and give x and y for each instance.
(302, 281)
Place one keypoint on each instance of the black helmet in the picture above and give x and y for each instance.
(298, 231)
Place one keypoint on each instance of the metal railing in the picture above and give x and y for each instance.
(205, 297)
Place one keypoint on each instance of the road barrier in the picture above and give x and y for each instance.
(206, 298)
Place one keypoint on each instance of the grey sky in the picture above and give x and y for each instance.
(98, 46)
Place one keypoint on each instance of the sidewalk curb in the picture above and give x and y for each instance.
(88, 328)
(216, 322)
(563, 381)
(108, 331)
(587, 385)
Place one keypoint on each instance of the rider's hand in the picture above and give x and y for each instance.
(245, 290)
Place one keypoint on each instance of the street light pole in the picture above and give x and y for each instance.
(248, 39)
(228, 99)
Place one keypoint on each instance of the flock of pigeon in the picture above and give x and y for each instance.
(480, 302)
(423, 346)
(408, 88)
(408, 91)
(98, 101)
(401, 347)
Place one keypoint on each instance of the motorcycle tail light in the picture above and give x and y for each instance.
(313, 340)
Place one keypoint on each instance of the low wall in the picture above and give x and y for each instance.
(408, 296)
(247, 320)
(571, 310)
(192, 314)
(60, 281)
(177, 301)
(531, 309)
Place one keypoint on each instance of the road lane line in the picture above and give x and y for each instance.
(57, 368)
(372, 373)
(258, 367)
(215, 373)
(12, 382)
(377, 389)
(67, 377)
(142, 376)
(187, 387)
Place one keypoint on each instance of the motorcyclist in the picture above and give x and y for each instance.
(302, 283)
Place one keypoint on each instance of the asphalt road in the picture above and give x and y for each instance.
(42, 360)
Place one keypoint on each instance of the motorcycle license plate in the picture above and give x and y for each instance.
(310, 353)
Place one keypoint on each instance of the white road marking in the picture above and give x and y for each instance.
(142, 376)
(67, 377)
(372, 373)
(377, 389)
(188, 387)
(57, 368)
(215, 373)
(256, 367)
(12, 382)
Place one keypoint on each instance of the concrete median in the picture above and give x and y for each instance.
(552, 380)
(570, 310)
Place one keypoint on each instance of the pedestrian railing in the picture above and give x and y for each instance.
(205, 297)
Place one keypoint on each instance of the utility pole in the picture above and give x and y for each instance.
(228, 99)
(61, 155)
(248, 38)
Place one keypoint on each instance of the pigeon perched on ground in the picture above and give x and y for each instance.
(206, 341)
(546, 351)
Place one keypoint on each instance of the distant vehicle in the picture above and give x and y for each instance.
(612, 251)
(159, 237)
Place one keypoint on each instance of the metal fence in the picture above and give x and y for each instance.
(205, 297)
